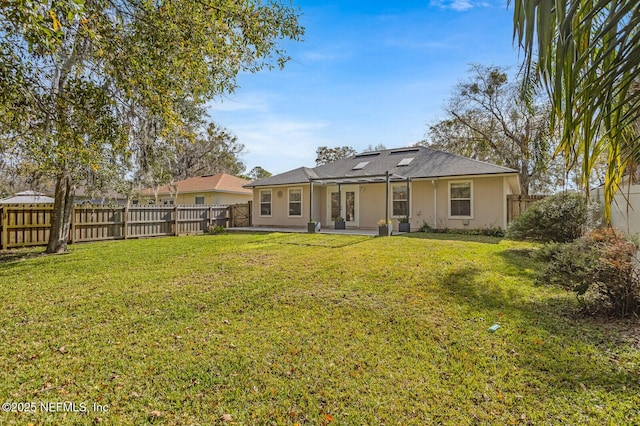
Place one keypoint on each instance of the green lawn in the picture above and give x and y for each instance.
(309, 329)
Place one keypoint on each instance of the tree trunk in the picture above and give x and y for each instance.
(61, 216)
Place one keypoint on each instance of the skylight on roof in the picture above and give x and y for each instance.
(405, 161)
(367, 154)
(404, 151)
(360, 165)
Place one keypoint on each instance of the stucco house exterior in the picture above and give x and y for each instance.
(429, 186)
(220, 189)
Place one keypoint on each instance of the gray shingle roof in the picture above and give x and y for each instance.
(426, 163)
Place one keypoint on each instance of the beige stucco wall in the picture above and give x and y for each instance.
(214, 197)
(488, 201)
(280, 206)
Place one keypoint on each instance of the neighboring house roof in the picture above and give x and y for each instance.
(401, 163)
(209, 183)
(27, 197)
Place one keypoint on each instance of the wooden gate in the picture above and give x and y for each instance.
(240, 215)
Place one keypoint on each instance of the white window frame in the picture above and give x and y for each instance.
(289, 190)
(408, 200)
(470, 182)
(195, 201)
(260, 203)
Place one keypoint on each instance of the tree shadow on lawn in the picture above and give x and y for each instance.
(9, 259)
(451, 237)
(571, 353)
(335, 241)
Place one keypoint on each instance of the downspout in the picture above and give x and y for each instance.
(386, 213)
(310, 200)
(505, 210)
(435, 203)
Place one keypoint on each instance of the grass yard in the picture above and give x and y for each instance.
(304, 329)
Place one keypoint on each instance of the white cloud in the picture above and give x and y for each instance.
(253, 102)
(279, 144)
(461, 5)
(458, 5)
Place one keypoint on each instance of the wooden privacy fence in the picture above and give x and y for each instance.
(28, 224)
(518, 204)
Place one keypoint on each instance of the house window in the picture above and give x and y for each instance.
(400, 200)
(460, 199)
(265, 202)
(295, 202)
(168, 202)
(199, 200)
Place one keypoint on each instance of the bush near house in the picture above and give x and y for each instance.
(561, 218)
(602, 268)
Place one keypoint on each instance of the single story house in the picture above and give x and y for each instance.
(220, 189)
(424, 185)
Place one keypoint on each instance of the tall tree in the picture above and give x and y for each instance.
(325, 155)
(378, 147)
(488, 121)
(257, 173)
(88, 86)
(587, 55)
(214, 150)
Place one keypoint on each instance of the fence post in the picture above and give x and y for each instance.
(210, 218)
(125, 219)
(5, 227)
(175, 220)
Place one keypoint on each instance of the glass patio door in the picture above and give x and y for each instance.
(345, 204)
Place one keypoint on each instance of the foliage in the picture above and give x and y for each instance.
(257, 173)
(87, 88)
(602, 268)
(377, 147)
(326, 155)
(339, 219)
(213, 151)
(587, 54)
(217, 229)
(488, 232)
(403, 219)
(287, 328)
(488, 120)
(561, 217)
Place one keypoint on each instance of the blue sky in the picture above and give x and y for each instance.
(366, 73)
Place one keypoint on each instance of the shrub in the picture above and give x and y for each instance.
(488, 232)
(560, 218)
(216, 229)
(602, 268)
